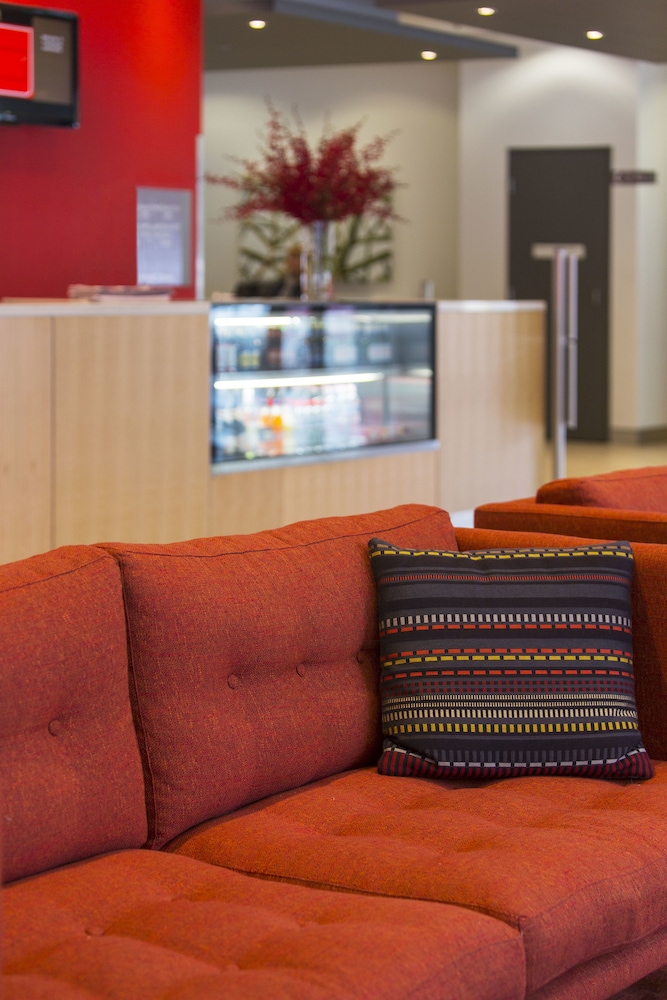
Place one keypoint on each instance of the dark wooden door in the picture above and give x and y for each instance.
(562, 196)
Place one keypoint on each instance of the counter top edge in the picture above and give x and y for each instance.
(74, 308)
(490, 305)
(199, 307)
(196, 308)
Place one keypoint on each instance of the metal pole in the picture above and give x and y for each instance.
(572, 339)
(564, 259)
(558, 345)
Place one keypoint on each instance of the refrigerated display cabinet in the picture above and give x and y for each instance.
(294, 382)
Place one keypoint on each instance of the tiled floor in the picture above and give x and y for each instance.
(585, 459)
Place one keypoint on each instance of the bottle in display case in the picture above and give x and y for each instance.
(292, 381)
(272, 354)
(379, 347)
(225, 356)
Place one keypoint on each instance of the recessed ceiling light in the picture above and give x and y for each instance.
(594, 36)
(428, 55)
(486, 11)
(257, 24)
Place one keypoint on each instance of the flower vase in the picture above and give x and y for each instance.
(317, 276)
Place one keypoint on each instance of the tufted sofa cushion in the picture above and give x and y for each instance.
(278, 626)
(630, 489)
(152, 925)
(69, 762)
(570, 862)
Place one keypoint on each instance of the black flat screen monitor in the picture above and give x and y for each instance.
(38, 66)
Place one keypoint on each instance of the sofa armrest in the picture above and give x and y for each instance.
(587, 522)
(649, 619)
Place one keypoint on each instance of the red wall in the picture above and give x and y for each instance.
(68, 196)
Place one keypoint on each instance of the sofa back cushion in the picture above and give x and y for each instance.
(70, 769)
(254, 661)
(629, 489)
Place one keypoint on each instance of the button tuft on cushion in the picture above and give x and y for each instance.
(55, 727)
(233, 680)
(361, 656)
(301, 669)
(94, 931)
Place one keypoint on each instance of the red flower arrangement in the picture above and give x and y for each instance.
(334, 180)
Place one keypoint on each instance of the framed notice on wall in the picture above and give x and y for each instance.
(164, 222)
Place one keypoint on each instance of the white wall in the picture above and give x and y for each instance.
(418, 100)
(559, 96)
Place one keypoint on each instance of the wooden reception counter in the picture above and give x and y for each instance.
(104, 428)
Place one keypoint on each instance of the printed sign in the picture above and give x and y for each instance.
(163, 236)
(633, 177)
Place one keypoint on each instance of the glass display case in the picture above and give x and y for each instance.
(292, 381)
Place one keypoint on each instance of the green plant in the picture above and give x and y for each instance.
(363, 253)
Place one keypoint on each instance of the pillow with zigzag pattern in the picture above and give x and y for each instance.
(508, 662)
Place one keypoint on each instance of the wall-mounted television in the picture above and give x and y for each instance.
(38, 66)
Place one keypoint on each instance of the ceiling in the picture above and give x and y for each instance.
(633, 28)
(309, 34)
(339, 32)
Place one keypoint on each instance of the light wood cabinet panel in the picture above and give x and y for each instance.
(490, 412)
(25, 436)
(131, 427)
(252, 501)
(360, 485)
(246, 501)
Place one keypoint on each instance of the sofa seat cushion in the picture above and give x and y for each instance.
(224, 632)
(574, 863)
(629, 489)
(70, 769)
(161, 927)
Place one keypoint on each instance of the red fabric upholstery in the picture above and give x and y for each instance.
(69, 763)
(160, 927)
(253, 672)
(605, 975)
(225, 632)
(561, 519)
(572, 863)
(628, 489)
(627, 505)
(648, 622)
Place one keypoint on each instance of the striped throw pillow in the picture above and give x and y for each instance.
(507, 662)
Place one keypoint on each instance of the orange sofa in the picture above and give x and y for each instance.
(630, 504)
(192, 807)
